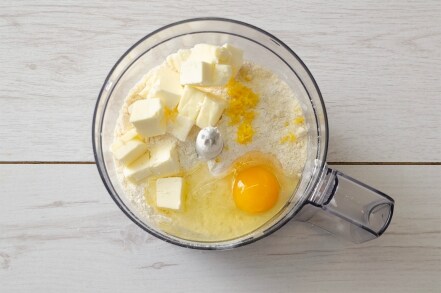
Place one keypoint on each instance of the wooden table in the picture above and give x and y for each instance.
(379, 68)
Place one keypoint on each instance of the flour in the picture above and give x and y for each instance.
(275, 113)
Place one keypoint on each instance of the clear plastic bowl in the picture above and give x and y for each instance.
(259, 47)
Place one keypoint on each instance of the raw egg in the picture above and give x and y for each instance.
(236, 200)
(255, 189)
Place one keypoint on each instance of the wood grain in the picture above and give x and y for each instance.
(378, 64)
(61, 232)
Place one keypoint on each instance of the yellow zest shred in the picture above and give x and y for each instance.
(240, 110)
(245, 133)
(170, 114)
(290, 137)
(299, 120)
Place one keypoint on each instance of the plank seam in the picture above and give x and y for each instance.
(329, 163)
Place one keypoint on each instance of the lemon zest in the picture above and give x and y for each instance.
(299, 120)
(240, 110)
(290, 137)
(170, 115)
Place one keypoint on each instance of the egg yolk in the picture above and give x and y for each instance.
(255, 189)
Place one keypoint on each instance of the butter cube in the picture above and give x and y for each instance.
(169, 192)
(191, 102)
(116, 145)
(236, 59)
(163, 161)
(167, 88)
(196, 73)
(180, 127)
(129, 135)
(130, 151)
(209, 53)
(210, 112)
(128, 147)
(221, 74)
(139, 169)
(175, 60)
(148, 117)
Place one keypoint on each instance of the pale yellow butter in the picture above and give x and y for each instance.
(236, 59)
(221, 74)
(169, 192)
(191, 102)
(175, 60)
(148, 117)
(180, 127)
(167, 88)
(196, 73)
(139, 169)
(211, 111)
(130, 151)
(131, 134)
(163, 161)
(209, 53)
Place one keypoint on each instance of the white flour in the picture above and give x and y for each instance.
(275, 113)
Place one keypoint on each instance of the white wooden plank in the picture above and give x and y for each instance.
(378, 64)
(60, 232)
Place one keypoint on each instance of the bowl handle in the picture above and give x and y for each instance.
(347, 207)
